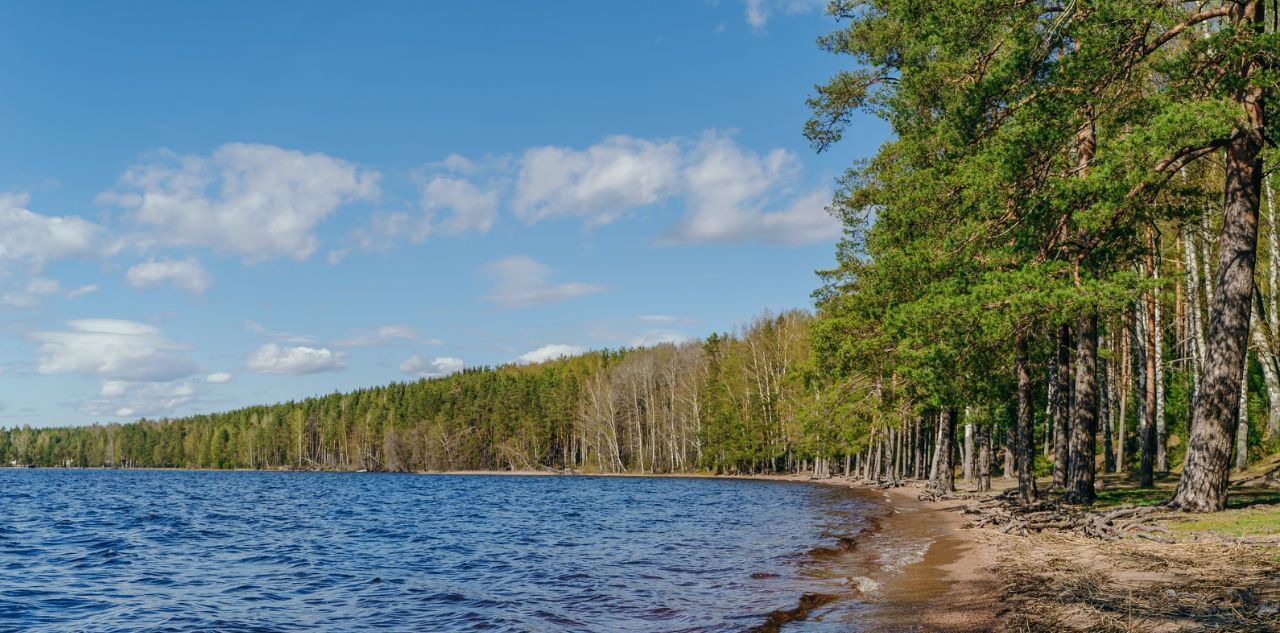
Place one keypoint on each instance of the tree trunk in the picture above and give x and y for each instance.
(1157, 356)
(1122, 420)
(1268, 359)
(984, 458)
(1147, 430)
(1206, 469)
(1062, 408)
(1007, 452)
(968, 460)
(1242, 427)
(1084, 417)
(1193, 312)
(1104, 414)
(1272, 322)
(1025, 437)
(944, 457)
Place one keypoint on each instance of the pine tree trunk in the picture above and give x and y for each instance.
(1084, 418)
(1062, 408)
(1206, 469)
(1024, 437)
(943, 480)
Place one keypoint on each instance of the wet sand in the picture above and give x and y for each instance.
(950, 588)
(953, 589)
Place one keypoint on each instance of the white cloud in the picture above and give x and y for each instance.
(384, 335)
(35, 239)
(112, 349)
(471, 209)
(187, 274)
(659, 337)
(87, 289)
(257, 201)
(294, 361)
(598, 184)
(521, 282)
(218, 378)
(550, 352)
(758, 12)
(442, 366)
(29, 296)
(127, 399)
(730, 191)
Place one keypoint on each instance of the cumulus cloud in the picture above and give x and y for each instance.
(126, 399)
(257, 201)
(30, 294)
(35, 239)
(599, 183)
(294, 361)
(470, 208)
(733, 196)
(521, 282)
(187, 274)
(113, 350)
(550, 352)
(728, 193)
(385, 335)
(218, 378)
(420, 366)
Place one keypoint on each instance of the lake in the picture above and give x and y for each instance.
(103, 550)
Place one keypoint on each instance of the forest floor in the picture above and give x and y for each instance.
(1217, 572)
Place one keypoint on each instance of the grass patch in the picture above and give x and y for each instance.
(1250, 522)
(1249, 497)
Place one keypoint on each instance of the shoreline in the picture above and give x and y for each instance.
(951, 588)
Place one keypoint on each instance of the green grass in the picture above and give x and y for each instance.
(1264, 521)
(1132, 496)
(1249, 497)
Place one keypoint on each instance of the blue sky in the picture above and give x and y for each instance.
(208, 205)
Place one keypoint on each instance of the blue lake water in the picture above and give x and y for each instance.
(246, 551)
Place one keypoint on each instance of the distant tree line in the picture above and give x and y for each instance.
(729, 403)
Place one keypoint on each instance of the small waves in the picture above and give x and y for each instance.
(179, 551)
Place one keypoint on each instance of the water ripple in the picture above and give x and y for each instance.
(127, 551)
